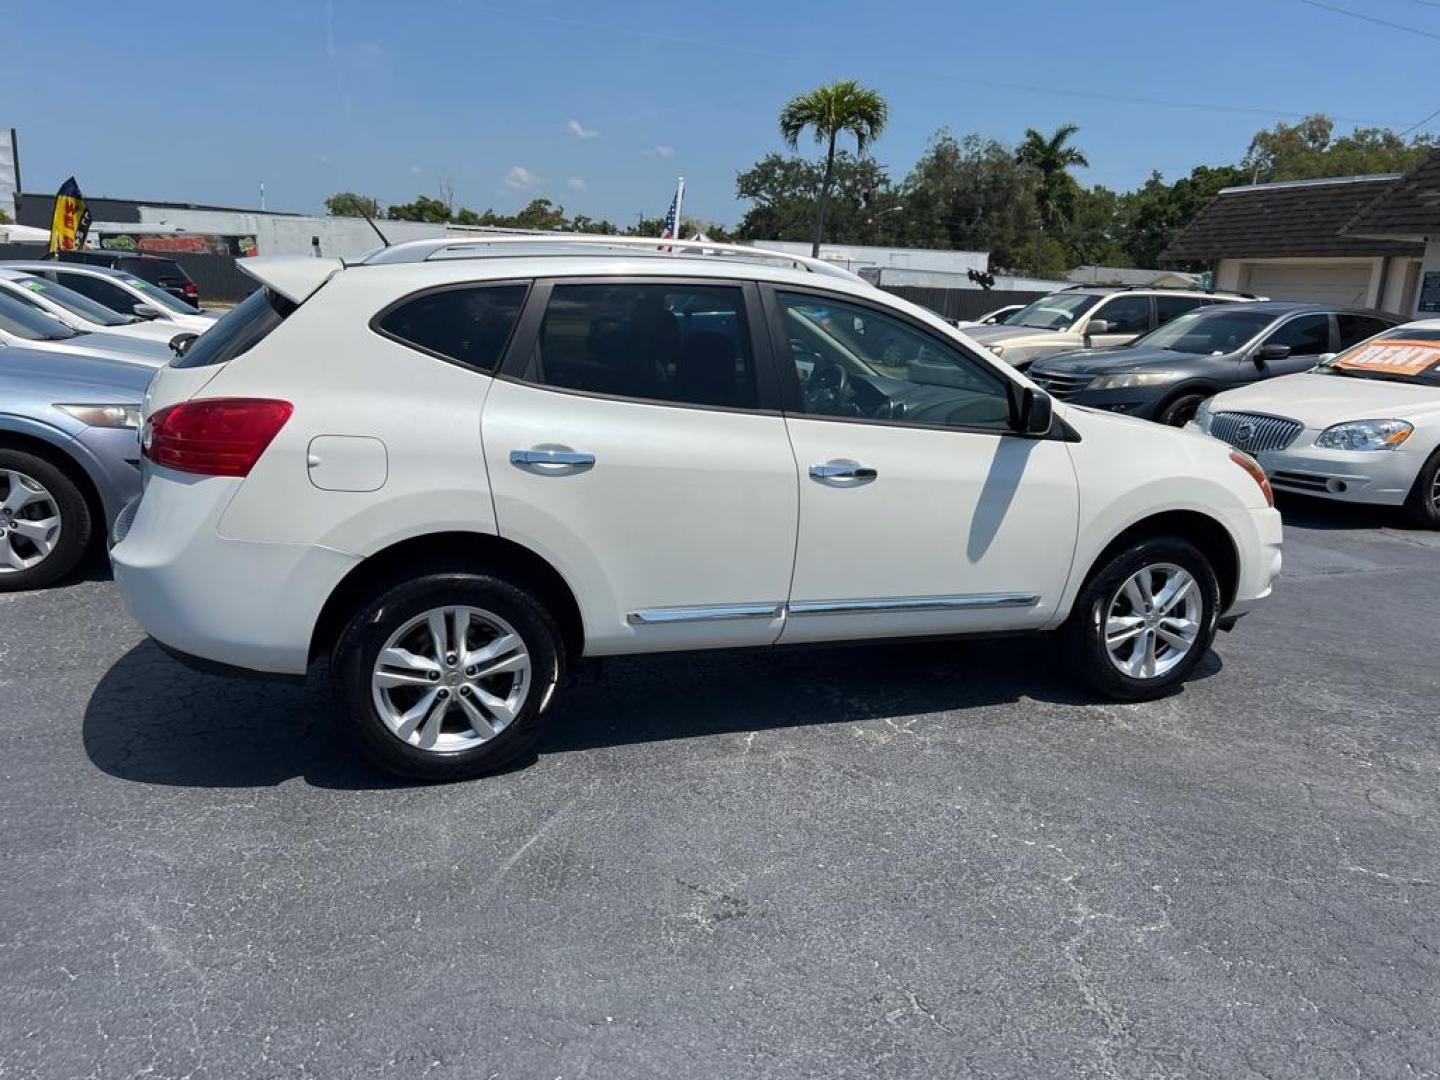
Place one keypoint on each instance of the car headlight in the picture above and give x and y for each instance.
(1203, 416)
(1365, 435)
(1131, 380)
(998, 350)
(107, 416)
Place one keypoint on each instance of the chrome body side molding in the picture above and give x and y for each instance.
(716, 613)
(877, 606)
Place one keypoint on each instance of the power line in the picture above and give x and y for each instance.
(1420, 123)
(1372, 19)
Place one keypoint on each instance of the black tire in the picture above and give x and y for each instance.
(356, 652)
(1082, 638)
(77, 526)
(1179, 411)
(1422, 506)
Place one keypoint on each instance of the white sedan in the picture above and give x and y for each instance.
(80, 312)
(1363, 427)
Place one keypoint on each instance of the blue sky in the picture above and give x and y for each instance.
(599, 106)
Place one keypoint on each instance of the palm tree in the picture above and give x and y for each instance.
(1053, 159)
(841, 107)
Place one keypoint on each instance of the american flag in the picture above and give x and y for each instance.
(672, 216)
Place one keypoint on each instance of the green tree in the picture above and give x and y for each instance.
(5, 218)
(783, 191)
(1308, 150)
(424, 208)
(348, 204)
(844, 107)
(1052, 159)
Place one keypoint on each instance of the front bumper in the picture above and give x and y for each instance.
(238, 603)
(1259, 536)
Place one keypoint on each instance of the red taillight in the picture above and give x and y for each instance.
(192, 291)
(218, 437)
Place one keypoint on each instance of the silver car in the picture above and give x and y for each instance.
(28, 326)
(69, 458)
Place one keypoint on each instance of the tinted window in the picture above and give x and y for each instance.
(1126, 315)
(242, 329)
(1169, 307)
(470, 325)
(852, 361)
(1308, 335)
(676, 343)
(20, 318)
(73, 302)
(101, 291)
(1356, 328)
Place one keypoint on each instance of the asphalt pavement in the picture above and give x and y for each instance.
(910, 860)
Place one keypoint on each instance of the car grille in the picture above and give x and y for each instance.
(1255, 432)
(1301, 481)
(1059, 383)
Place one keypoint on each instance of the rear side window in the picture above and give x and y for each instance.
(687, 344)
(1169, 307)
(469, 325)
(1356, 328)
(238, 332)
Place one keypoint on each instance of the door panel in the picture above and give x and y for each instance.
(976, 530)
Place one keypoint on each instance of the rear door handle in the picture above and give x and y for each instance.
(843, 473)
(552, 460)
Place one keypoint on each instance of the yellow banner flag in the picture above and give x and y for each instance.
(70, 223)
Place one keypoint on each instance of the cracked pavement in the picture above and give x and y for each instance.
(910, 860)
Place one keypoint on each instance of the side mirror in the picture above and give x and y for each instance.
(1034, 413)
(1325, 357)
(1097, 326)
(180, 342)
(145, 311)
(1270, 352)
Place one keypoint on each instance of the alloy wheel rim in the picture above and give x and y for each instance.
(1153, 621)
(1435, 493)
(29, 522)
(451, 678)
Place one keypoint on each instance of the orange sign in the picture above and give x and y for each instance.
(1393, 356)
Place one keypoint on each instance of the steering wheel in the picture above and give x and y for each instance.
(827, 388)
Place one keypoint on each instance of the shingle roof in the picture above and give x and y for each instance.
(1410, 208)
(1287, 220)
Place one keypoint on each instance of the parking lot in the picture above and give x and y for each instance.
(907, 860)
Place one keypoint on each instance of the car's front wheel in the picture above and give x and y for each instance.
(1423, 503)
(448, 676)
(45, 524)
(1143, 620)
(1180, 410)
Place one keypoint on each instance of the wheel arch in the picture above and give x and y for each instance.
(1205, 532)
(69, 464)
(448, 551)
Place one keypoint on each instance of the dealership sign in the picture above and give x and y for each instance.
(180, 243)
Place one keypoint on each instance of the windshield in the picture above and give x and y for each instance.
(74, 303)
(18, 317)
(1208, 333)
(1057, 312)
(1400, 355)
(158, 297)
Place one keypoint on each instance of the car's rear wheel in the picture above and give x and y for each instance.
(448, 676)
(45, 524)
(1179, 411)
(1143, 620)
(1423, 503)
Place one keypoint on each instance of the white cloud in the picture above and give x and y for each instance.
(519, 178)
(659, 151)
(575, 183)
(415, 170)
(580, 131)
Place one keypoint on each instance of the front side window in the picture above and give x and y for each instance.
(1126, 315)
(73, 302)
(470, 325)
(687, 344)
(112, 295)
(853, 362)
(1308, 335)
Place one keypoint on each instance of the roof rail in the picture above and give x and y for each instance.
(466, 247)
(1209, 290)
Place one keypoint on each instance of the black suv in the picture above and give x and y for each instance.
(166, 273)
(1166, 374)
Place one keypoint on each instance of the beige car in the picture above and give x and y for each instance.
(1090, 317)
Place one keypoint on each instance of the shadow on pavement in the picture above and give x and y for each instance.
(153, 720)
(1307, 513)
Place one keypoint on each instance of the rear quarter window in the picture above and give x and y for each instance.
(252, 320)
(470, 325)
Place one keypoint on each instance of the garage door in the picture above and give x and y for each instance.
(1342, 283)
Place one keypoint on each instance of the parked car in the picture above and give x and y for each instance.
(69, 458)
(538, 451)
(1363, 427)
(1166, 374)
(1089, 317)
(166, 273)
(79, 312)
(991, 318)
(119, 291)
(24, 324)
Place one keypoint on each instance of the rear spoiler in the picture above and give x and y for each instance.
(295, 277)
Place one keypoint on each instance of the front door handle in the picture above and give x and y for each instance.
(552, 460)
(843, 473)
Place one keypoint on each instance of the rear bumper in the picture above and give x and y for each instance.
(236, 603)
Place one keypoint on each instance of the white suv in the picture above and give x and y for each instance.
(453, 469)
